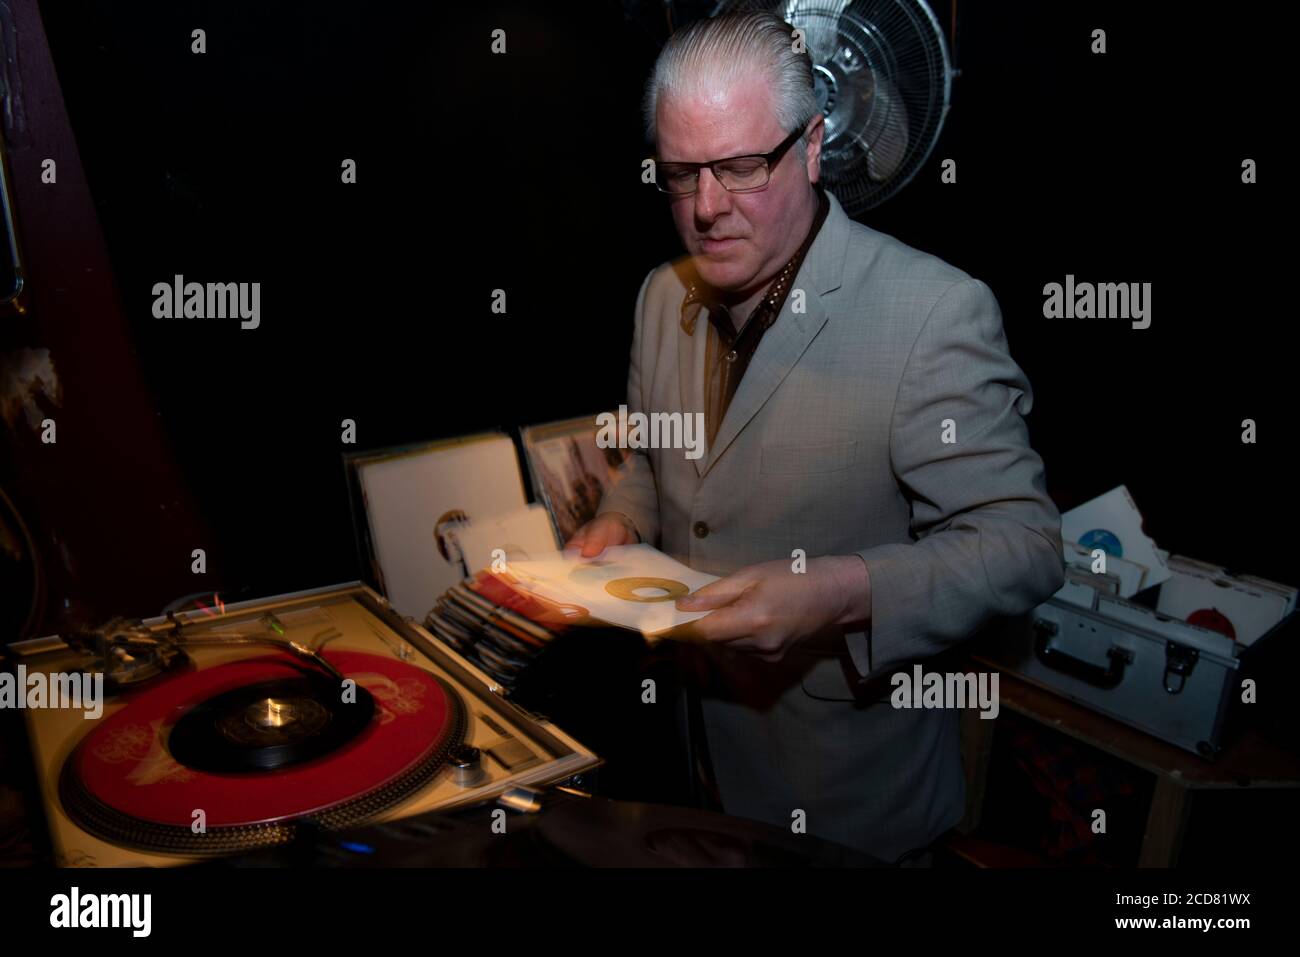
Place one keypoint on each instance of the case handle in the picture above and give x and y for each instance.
(1057, 660)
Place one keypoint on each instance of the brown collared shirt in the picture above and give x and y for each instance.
(728, 352)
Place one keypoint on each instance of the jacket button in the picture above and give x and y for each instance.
(701, 530)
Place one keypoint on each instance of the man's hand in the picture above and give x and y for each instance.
(608, 528)
(767, 609)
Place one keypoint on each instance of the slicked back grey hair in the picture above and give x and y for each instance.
(714, 53)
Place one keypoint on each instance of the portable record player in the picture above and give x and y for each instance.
(231, 729)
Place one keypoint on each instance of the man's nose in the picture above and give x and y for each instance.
(711, 197)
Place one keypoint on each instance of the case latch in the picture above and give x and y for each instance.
(1179, 660)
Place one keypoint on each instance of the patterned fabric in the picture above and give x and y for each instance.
(1072, 784)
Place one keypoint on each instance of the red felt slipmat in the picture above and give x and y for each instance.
(259, 746)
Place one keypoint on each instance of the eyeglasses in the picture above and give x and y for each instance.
(737, 174)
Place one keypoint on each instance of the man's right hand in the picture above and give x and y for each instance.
(608, 528)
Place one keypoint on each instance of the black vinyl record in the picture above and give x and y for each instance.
(269, 725)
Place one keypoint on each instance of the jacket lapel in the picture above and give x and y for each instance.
(782, 344)
(691, 347)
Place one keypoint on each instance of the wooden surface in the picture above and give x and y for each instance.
(1250, 761)
(1247, 762)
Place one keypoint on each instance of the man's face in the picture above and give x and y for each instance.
(737, 239)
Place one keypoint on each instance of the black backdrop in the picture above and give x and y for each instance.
(521, 172)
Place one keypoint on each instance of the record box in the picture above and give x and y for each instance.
(229, 729)
(1173, 661)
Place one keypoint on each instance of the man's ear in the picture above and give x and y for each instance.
(814, 137)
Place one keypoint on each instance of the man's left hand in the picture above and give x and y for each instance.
(767, 609)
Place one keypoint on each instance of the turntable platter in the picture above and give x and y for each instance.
(256, 743)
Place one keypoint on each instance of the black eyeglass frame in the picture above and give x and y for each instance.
(771, 159)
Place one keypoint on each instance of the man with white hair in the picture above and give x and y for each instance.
(869, 492)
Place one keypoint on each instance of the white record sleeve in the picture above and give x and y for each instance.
(416, 500)
(1198, 586)
(596, 584)
(1113, 523)
(517, 536)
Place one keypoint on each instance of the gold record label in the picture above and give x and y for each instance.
(626, 588)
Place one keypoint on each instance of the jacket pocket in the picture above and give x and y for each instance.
(796, 459)
(826, 680)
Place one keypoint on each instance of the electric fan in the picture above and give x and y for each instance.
(883, 79)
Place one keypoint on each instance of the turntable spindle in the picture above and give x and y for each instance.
(272, 713)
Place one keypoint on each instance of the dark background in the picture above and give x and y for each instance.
(522, 172)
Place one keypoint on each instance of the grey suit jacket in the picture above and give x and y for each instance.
(834, 444)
